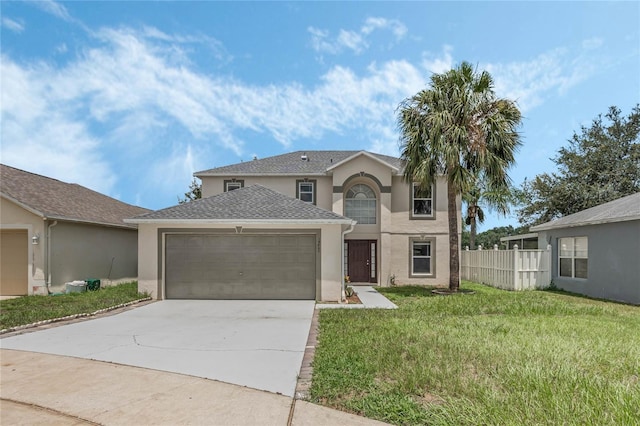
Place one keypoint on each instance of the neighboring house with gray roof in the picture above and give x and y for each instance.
(53, 232)
(595, 252)
(292, 226)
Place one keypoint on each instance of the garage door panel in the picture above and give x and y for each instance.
(240, 266)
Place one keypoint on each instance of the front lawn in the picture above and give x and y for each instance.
(496, 357)
(30, 309)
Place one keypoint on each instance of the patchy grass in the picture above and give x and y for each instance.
(495, 357)
(30, 309)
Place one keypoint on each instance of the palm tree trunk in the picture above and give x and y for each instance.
(454, 258)
(472, 233)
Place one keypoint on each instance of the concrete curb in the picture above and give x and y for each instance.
(72, 317)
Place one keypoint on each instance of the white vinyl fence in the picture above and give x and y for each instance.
(507, 269)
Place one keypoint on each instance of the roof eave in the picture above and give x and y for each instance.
(23, 205)
(243, 221)
(551, 225)
(240, 174)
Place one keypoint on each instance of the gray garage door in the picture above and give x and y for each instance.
(240, 266)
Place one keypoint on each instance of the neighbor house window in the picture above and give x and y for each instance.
(306, 190)
(421, 201)
(360, 204)
(230, 185)
(573, 255)
(421, 257)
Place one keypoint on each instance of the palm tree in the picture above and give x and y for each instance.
(494, 199)
(458, 128)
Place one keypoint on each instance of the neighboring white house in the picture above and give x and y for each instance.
(596, 252)
(52, 232)
(282, 227)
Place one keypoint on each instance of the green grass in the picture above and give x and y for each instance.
(492, 358)
(30, 309)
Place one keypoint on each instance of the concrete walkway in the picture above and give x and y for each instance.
(369, 297)
(51, 389)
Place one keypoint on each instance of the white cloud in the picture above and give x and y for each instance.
(135, 101)
(531, 82)
(438, 64)
(53, 8)
(17, 26)
(356, 41)
(592, 43)
(398, 29)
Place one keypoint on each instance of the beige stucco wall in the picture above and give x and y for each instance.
(13, 216)
(151, 254)
(283, 184)
(83, 251)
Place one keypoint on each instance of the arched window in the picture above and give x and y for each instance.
(360, 204)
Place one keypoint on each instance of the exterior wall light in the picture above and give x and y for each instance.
(35, 240)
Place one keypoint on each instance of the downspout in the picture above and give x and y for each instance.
(48, 262)
(345, 232)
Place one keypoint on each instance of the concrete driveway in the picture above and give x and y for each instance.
(259, 344)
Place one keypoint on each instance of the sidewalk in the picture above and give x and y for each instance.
(50, 389)
(369, 297)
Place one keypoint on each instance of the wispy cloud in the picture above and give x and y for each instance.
(134, 98)
(54, 8)
(354, 40)
(17, 26)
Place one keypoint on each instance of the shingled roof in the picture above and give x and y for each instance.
(254, 203)
(620, 210)
(316, 163)
(57, 200)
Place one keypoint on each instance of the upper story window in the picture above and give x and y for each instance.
(573, 256)
(306, 190)
(421, 201)
(230, 185)
(360, 204)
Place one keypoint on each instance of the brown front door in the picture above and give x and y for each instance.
(362, 264)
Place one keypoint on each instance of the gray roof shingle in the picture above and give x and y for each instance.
(622, 209)
(292, 164)
(252, 203)
(55, 199)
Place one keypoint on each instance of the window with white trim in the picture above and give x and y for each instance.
(230, 185)
(421, 201)
(421, 258)
(306, 191)
(573, 256)
(360, 204)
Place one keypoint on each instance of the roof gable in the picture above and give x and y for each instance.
(254, 203)
(54, 199)
(620, 210)
(298, 163)
(368, 155)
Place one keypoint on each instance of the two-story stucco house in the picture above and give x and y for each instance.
(292, 226)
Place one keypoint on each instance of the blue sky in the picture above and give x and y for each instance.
(130, 98)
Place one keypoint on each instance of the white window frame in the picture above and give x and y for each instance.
(312, 192)
(414, 199)
(431, 257)
(374, 201)
(230, 183)
(571, 245)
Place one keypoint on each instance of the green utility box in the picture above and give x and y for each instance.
(93, 284)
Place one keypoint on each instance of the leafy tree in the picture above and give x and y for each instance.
(458, 128)
(601, 164)
(194, 193)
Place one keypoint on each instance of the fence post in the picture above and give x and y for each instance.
(516, 279)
